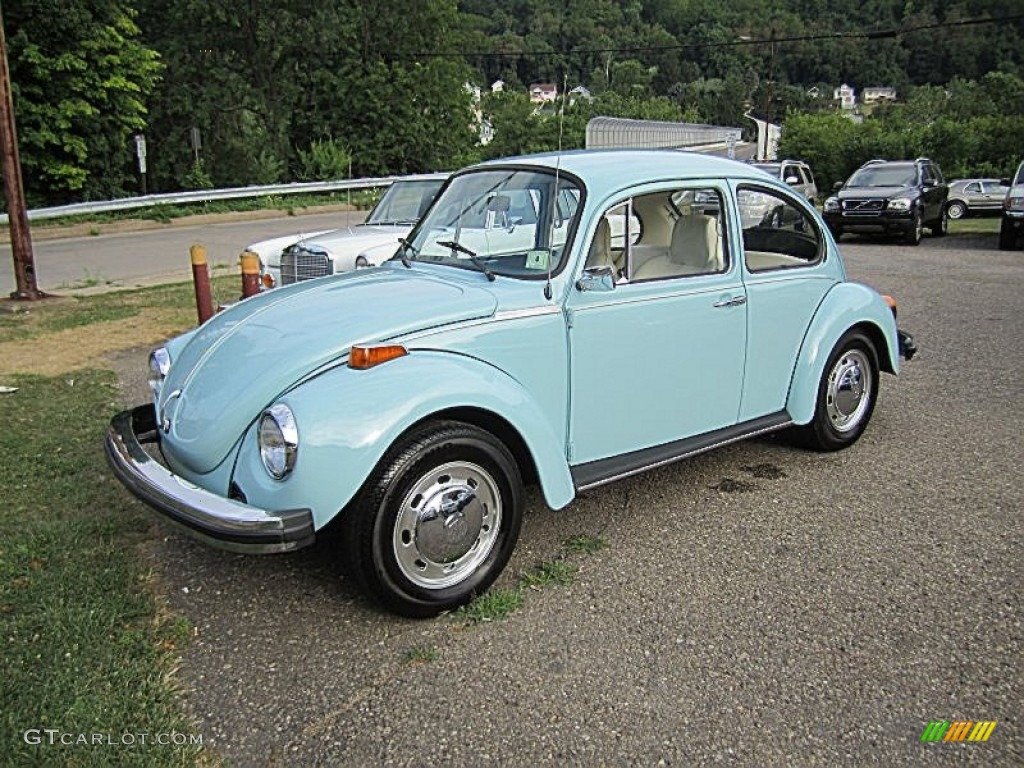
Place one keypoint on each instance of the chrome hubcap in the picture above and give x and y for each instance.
(848, 393)
(448, 524)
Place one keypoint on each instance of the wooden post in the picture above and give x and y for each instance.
(17, 212)
(201, 278)
(250, 274)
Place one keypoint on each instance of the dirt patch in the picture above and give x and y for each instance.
(87, 346)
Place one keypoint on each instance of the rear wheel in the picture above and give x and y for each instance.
(437, 521)
(956, 210)
(846, 395)
(1007, 237)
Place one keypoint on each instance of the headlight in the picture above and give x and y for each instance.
(278, 440)
(832, 204)
(159, 365)
(1014, 203)
(900, 204)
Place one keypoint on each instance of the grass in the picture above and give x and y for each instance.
(498, 604)
(987, 225)
(422, 654)
(86, 647)
(178, 299)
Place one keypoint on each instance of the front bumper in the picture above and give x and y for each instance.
(908, 347)
(222, 522)
(886, 222)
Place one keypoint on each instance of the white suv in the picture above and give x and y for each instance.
(796, 173)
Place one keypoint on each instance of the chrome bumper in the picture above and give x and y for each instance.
(222, 522)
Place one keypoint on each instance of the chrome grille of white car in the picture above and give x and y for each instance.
(298, 264)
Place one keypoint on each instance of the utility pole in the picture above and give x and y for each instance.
(17, 214)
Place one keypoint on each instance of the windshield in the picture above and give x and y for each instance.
(503, 222)
(404, 202)
(884, 176)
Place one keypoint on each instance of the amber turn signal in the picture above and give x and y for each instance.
(268, 281)
(362, 358)
(891, 302)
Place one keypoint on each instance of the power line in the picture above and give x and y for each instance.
(876, 34)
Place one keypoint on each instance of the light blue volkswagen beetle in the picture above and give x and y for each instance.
(564, 319)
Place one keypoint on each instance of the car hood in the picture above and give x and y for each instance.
(873, 193)
(352, 241)
(269, 250)
(242, 359)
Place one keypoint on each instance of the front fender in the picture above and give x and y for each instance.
(347, 419)
(847, 305)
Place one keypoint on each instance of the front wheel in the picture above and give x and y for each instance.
(941, 225)
(846, 395)
(437, 521)
(913, 235)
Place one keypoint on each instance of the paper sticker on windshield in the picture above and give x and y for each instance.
(536, 259)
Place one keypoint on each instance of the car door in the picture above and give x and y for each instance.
(657, 355)
(787, 275)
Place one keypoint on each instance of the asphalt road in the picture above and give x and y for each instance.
(758, 606)
(159, 255)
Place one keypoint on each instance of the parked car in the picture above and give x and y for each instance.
(407, 405)
(890, 197)
(1012, 224)
(795, 173)
(975, 197)
(294, 258)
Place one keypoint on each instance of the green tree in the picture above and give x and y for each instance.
(81, 80)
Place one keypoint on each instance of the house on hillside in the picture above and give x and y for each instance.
(845, 96)
(875, 95)
(543, 93)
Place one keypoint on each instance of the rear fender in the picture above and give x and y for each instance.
(848, 305)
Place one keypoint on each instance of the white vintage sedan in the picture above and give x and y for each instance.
(294, 258)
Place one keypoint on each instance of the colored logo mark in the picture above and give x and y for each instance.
(958, 730)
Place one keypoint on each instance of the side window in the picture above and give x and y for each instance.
(776, 233)
(973, 187)
(682, 235)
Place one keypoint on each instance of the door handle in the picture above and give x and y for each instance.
(735, 301)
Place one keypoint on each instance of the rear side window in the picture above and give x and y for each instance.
(777, 234)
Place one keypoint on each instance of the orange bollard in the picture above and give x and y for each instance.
(250, 274)
(201, 278)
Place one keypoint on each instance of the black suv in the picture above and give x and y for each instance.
(890, 197)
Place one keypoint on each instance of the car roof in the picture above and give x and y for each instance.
(610, 169)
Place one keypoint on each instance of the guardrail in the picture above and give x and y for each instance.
(208, 195)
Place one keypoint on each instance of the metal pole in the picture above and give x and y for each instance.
(21, 238)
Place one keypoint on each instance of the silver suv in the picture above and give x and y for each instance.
(796, 173)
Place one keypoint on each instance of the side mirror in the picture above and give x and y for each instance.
(837, 186)
(597, 279)
(791, 180)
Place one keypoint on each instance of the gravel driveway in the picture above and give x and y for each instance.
(760, 605)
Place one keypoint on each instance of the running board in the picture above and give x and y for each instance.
(595, 473)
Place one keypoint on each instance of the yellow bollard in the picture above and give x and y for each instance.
(250, 274)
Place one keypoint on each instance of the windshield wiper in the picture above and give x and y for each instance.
(472, 256)
(406, 247)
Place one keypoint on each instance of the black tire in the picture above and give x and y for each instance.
(1007, 237)
(846, 395)
(837, 232)
(956, 209)
(913, 235)
(940, 226)
(398, 542)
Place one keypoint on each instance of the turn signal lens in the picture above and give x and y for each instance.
(362, 358)
(891, 302)
(268, 280)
